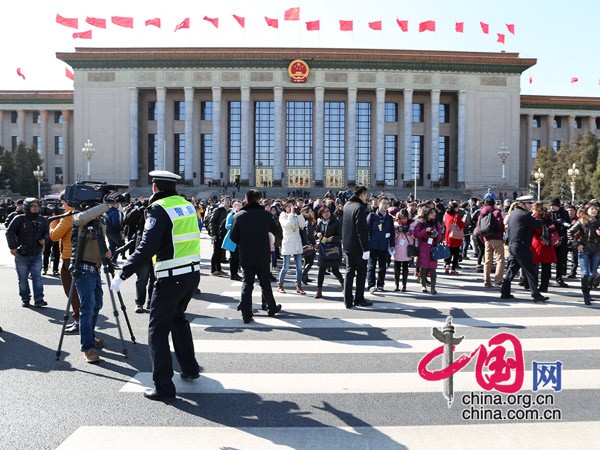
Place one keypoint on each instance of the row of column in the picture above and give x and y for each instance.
(220, 164)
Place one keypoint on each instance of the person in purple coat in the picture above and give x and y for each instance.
(429, 233)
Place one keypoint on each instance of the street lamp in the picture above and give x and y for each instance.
(539, 177)
(573, 173)
(88, 151)
(39, 175)
(503, 154)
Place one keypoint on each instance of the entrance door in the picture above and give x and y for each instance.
(300, 177)
(264, 177)
(334, 178)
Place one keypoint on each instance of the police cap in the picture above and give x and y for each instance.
(525, 199)
(164, 175)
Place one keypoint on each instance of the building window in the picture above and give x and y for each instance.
(206, 109)
(536, 121)
(390, 159)
(14, 117)
(444, 113)
(391, 112)
(416, 153)
(152, 110)
(36, 117)
(152, 152)
(37, 142)
(555, 145)
(557, 122)
(58, 145)
(14, 142)
(179, 110)
(179, 154)
(443, 154)
(335, 131)
(299, 133)
(264, 133)
(363, 134)
(577, 123)
(58, 175)
(235, 134)
(418, 113)
(58, 117)
(207, 156)
(535, 146)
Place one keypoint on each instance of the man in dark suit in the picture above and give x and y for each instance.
(250, 231)
(355, 242)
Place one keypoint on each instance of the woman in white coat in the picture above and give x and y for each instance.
(291, 245)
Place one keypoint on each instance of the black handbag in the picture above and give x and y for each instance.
(329, 251)
(412, 250)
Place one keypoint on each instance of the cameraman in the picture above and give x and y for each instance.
(26, 235)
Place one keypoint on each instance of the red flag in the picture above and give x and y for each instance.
(403, 24)
(272, 22)
(73, 23)
(292, 14)
(485, 27)
(70, 75)
(346, 25)
(100, 23)
(428, 25)
(214, 21)
(125, 22)
(375, 25)
(530, 80)
(459, 27)
(574, 79)
(83, 35)
(240, 20)
(314, 25)
(500, 38)
(20, 73)
(185, 23)
(511, 28)
(155, 22)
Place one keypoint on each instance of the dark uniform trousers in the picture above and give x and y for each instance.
(355, 266)
(250, 273)
(169, 301)
(520, 258)
(377, 257)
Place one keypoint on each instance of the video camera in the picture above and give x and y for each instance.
(91, 193)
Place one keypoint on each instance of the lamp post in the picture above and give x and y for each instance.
(539, 177)
(503, 154)
(88, 151)
(39, 175)
(573, 173)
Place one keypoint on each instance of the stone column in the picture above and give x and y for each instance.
(245, 158)
(592, 123)
(189, 133)
(462, 123)
(351, 137)
(319, 153)
(21, 126)
(435, 135)
(278, 150)
(528, 136)
(408, 96)
(161, 144)
(133, 137)
(45, 152)
(570, 129)
(549, 130)
(67, 153)
(379, 136)
(2, 129)
(216, 134)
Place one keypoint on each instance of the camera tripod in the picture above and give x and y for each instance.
(108, 272)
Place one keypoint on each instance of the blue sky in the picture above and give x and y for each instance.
(559, 34)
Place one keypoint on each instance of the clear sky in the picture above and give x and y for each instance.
(560, 35)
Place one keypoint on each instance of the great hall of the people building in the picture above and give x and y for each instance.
(294, 117)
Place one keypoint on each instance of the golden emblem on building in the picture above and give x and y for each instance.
(298, 71)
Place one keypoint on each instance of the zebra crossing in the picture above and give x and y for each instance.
(320, 376)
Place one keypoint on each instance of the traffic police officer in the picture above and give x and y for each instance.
(521, 227)
(172, 238)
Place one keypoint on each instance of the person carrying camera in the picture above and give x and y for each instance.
(26, 236)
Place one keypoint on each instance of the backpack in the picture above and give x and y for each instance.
(488, 225)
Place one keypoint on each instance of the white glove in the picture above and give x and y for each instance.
(116, 282)
(366, 255)
(391, 251)
(387, 235)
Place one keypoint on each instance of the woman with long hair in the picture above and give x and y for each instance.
(585, 234)
(309, 234)
(404, 229)
(543, 253)
(429, 233)
(453, 222)
(291, 244)
(328, 231)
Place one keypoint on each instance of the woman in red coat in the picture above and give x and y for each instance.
(452, 219)
(543, 254)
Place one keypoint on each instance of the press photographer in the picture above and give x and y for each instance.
(26, 236)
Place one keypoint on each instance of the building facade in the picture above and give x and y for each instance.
(295, 117)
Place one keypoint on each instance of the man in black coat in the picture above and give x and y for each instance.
(355, 242)
(250, 231)
(521, 227)
(218, 216)
(562, 221)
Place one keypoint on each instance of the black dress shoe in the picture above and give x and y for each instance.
(507, 296)
(236, 278)
(363, 303)
(540, 298)
(248, 319)
(562, 284)
(349, 306)
(264, 307)
(272, 312)
(189, 376)
(153, 394)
